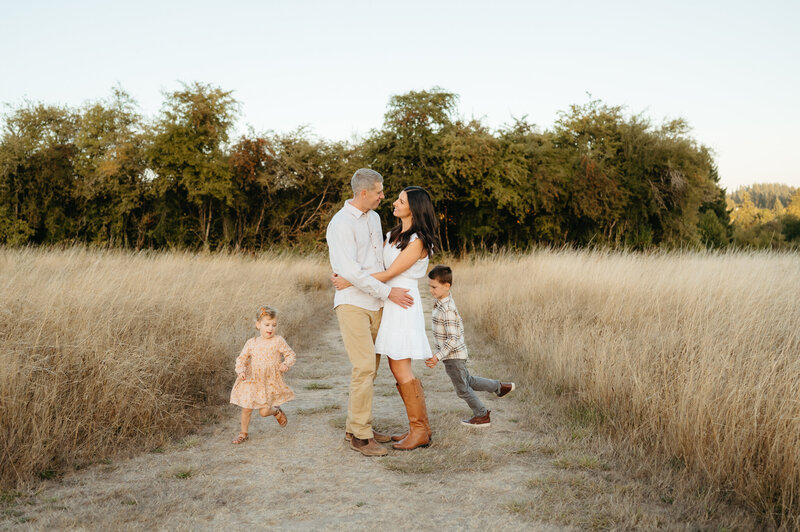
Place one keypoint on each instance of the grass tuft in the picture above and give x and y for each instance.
(183, 474)
(580, 461)
(324, 409)
(319, 386)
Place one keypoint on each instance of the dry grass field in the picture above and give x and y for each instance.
(653, 391)
(693, 358)
(106, 351)
(542, 465)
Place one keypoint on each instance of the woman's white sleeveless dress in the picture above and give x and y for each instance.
(402, 331)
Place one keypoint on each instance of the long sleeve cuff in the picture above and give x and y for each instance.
(383, 291)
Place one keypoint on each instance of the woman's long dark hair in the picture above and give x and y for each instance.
(423, 222)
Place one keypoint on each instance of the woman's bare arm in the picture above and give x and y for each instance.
(413, 252)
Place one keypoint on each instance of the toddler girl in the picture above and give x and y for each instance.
(259, 368)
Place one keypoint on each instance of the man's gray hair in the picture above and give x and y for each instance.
(365, 179)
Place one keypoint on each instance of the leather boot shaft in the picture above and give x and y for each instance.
(414, 399)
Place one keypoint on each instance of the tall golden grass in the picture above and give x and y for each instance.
(694, 355)
(102, 351)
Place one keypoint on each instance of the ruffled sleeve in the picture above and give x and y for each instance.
(289, 357)
(243, 360)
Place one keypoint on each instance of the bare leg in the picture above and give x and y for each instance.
(242, 437)
(267, 411)
(401, 369)
(246, 418)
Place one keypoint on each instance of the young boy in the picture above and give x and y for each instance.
(448, 334)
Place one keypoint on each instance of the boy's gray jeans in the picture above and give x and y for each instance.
(466, 385)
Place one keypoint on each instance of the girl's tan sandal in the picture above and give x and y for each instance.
(280, 417)
(241, 438)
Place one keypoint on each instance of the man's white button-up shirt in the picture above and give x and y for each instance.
(355, 248)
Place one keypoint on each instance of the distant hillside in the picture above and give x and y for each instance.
(765, 195)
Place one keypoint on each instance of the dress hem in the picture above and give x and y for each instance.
(264, 405)
(394, 356)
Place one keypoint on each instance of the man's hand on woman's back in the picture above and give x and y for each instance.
(400, 296)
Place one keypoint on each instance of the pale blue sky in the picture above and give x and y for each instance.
(732, 69)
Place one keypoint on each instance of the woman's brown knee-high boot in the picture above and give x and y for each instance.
(401, 437)
(418, 426)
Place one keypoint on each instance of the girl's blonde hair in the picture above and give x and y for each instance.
(269, 312)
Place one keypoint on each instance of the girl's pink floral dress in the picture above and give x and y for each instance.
(263, 385)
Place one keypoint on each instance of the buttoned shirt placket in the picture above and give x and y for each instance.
(378, 252)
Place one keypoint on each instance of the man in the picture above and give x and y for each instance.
(355, 247)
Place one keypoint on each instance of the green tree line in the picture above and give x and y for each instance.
(765, 216)
(105, 175)
(774, 196)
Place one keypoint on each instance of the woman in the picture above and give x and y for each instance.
(401, 336)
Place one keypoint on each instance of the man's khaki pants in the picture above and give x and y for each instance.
(359, 327)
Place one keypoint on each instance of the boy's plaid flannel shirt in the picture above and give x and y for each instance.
(448, 330)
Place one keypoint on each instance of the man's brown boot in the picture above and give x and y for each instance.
(414, 399)
(380, 438)
(368, 447)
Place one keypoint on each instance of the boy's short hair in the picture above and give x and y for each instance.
(441, 273)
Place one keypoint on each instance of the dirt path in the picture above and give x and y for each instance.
(304, 476)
